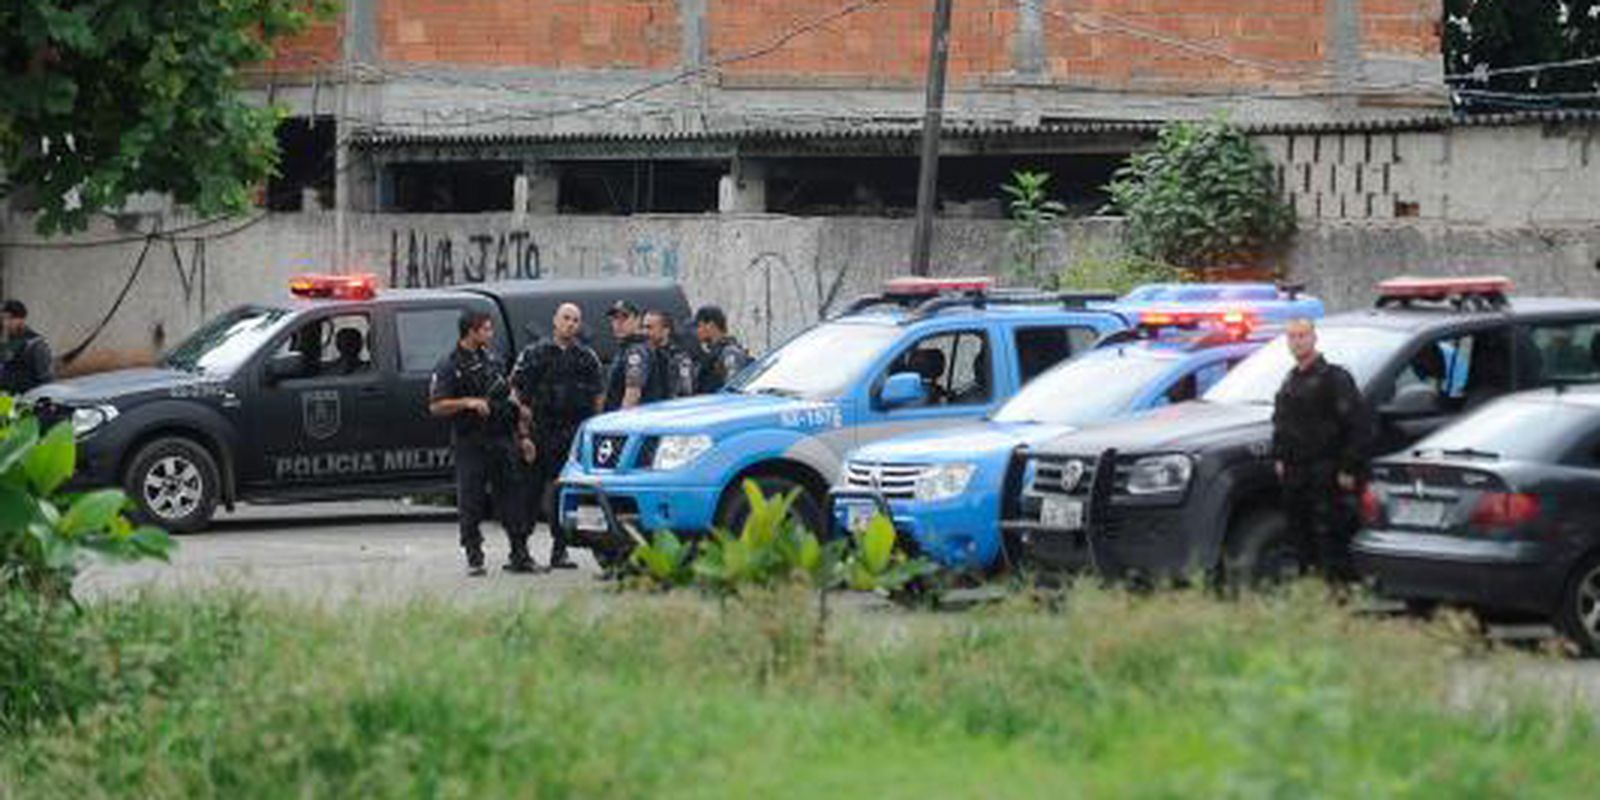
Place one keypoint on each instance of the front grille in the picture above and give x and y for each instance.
(1051, 474)
(895, 481)
(607, 450)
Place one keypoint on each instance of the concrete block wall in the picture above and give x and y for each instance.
(1501, 176)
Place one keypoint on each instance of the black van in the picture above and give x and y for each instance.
(320, 397)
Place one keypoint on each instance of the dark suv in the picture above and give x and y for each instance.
(1190, 489)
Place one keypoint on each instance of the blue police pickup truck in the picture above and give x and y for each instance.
(923, 354)
(944, 489)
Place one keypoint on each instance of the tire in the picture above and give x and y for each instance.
(1579, 614)
(1260, 553)
(174, 483)
(735, 509)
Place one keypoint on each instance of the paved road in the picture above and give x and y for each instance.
(369, 550)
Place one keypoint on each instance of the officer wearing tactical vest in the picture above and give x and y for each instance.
(469, 387)
(630, 370)
(25, 360)
(722, 356)
(557, 382)
(671, 369)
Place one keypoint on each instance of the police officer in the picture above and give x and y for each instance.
(721, 355)
(671, 369)
(630, 369)
(25, 360)
(1320, 434)
(469, 386)
(557, 381)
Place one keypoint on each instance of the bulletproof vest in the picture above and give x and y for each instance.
(16, 373)
(720, 362)
(481, 375)
(617, 375)
(564, 390)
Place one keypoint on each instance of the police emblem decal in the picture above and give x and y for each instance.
(607, 451)
(1071, 474)
(320, 413)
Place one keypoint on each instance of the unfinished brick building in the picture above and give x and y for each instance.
(804, 106)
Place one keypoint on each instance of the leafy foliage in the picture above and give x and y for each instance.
(1117, 271)
(100, 99)
(1033, 214)
(773, 549)
(44, 533)
(1203, 196)
(1483, 36)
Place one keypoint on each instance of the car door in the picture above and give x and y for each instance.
(960, 379)
(1440, 378)
(1037, 348)
(319, 423)
(417, 444)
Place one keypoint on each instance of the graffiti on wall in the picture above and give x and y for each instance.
(418, 259)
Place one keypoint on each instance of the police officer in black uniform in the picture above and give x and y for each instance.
(671, 369)
(630, 369)
(1320, 434)
(721, 355)
(469, 386)
(557, 381)
(25, 360)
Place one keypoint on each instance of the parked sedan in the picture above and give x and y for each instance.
(1499, 511)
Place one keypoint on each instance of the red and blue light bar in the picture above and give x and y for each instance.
(359, 286)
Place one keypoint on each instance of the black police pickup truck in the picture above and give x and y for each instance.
(320, 397)
(1190, 489)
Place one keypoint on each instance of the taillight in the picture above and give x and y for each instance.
(1505, 509)
(1371, 509)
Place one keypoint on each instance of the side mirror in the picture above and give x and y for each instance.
(1414, 402)
(903, 389)
(285, 367)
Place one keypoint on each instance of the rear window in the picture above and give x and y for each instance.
(426, 336)
(1517, 429)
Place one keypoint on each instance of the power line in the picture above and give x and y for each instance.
(1483, 73)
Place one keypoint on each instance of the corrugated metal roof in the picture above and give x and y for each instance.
(1422, 122)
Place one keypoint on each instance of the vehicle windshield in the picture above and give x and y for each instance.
(1361, 350)
(222, 345)
(1514, 428)
(1093, 388)
(820, 363)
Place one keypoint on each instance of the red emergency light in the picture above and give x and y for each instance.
(913, 286)
(1444, 288)
(360, 286)
(1234, 320)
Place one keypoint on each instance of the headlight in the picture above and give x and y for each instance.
(673, 452)
(943, 481)
(1160, 474)
(86, 420)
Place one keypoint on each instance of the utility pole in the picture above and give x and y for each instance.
(932, 123)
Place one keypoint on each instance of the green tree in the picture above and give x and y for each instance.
(100, 99)
(1484, 38)
(1203, 196)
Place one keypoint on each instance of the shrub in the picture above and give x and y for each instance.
(1117, 271)
(1202, 197)
(1032, 215)
(45, 533)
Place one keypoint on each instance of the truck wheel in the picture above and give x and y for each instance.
(1260, 552)
(1579, 615)
(735, 509)
(174, 484)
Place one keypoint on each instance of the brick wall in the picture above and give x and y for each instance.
(1402, 27)
(316, 48)
(887, 42)
(562, 34)
(1250, 42)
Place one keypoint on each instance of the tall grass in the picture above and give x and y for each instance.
(1175, 695)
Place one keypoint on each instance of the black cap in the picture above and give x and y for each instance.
(623, 307)
(14, 308)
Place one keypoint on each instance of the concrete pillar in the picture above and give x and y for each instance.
(538, 189)
(743, 190)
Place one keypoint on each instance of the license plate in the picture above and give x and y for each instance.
(1057, 512)
(590, 518)
(1417, 513)
(858, 516)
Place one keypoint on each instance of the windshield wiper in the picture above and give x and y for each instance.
(777, 391)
